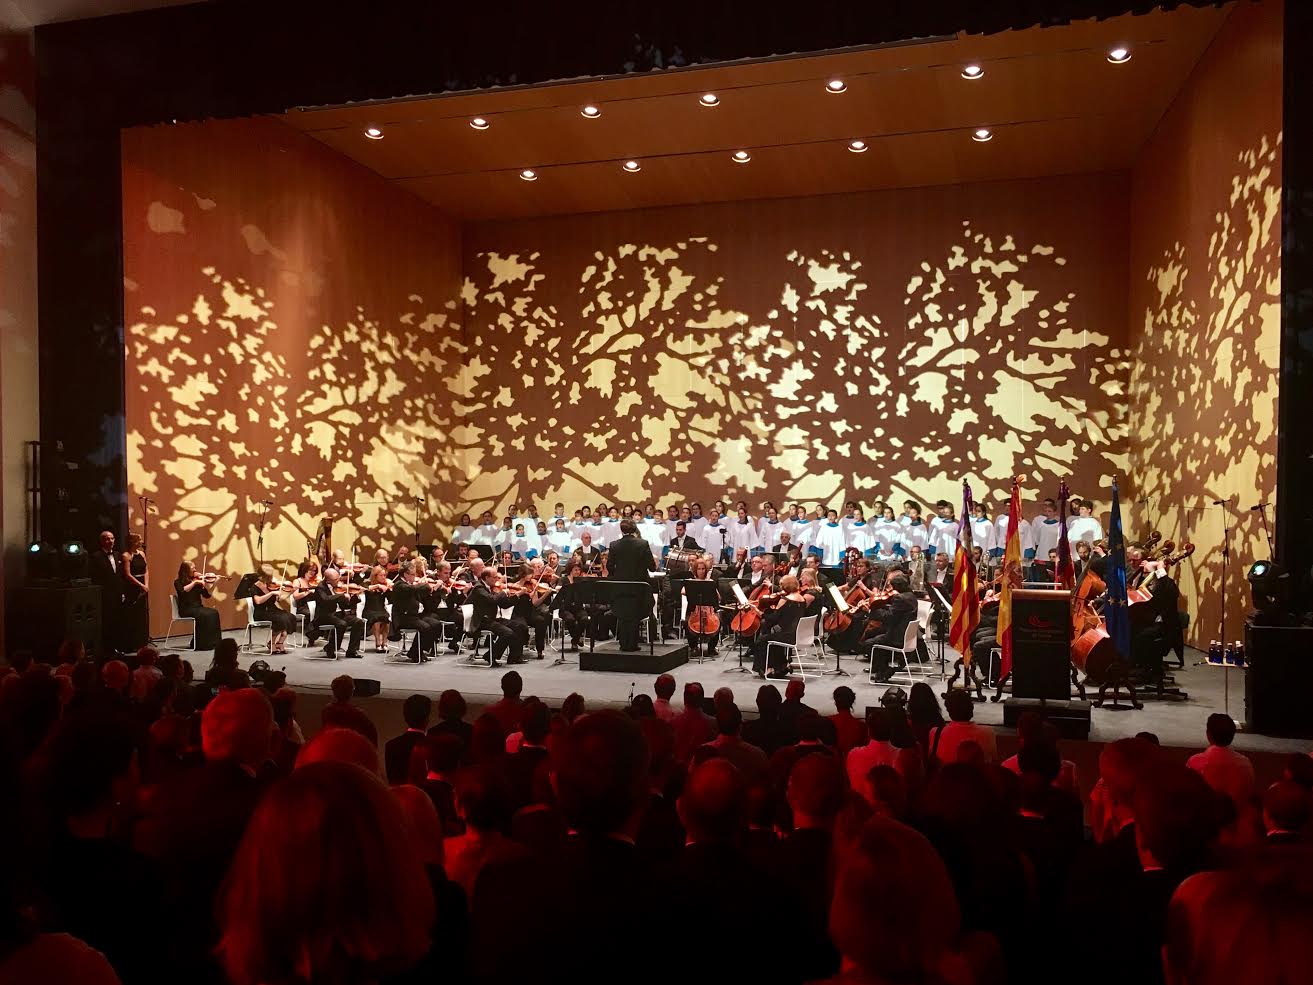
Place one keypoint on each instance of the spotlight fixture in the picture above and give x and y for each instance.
(857, 146)
(982, 135)
(709, 99)
(632, 166)
(1119, 55)
(73, 560)
(741, 157)
(373, 133)
(479, 123)
(972, 71)
(591, 112)
(836, 86)
(529, 174)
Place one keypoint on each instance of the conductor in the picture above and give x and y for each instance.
(630, 559)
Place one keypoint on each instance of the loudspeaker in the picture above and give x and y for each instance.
(42, 618)
(366, 687)
(1276, 693)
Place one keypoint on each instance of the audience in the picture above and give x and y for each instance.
(165, 833)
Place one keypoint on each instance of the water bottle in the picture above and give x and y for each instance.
(1239, 651)
(1228, 655)
(1214, 652)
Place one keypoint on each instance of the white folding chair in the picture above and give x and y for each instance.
(805, 660)
(910, 639)
(252, 624)
(174, 618)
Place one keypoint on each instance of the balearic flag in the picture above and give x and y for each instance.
(966, 599)
(1010, 579)
(1065, 576)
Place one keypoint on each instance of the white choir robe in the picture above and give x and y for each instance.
(522, 546)
(768, 533)
(1044, 535)
(913, 535)
(487, 534)
(610, 532)
(982, 534)
(461, 535)
(862, 537)
(713, 539)
(598, 529)
(1086, 528)
(694, 527)
(804, 531)
(743, 535)
(943, 536)
(887, 534)
(561, 541)
(654, 532)
(832, 542)
(1001, 535)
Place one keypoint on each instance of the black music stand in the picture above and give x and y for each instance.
(609, 590)
(704, 593)
(584, 592)
(246, 587)
(485, 551)
(943, 610)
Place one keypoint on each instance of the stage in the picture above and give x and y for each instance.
(1177, 723)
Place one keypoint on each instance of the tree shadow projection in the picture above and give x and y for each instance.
(1204, 388)
(992, 367)
(612, 393)
(343, 423)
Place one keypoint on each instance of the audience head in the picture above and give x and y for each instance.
(959, 705)
(721, 697)
(417, 710)
(877, 725)
(642, 707)
(488, 739)
(1220, 730)
(729, 719)
(693, 695)
(1121, 764)
(888, 791)
(485, 800)
(1176, 818)
(1299, 768)
(147, 656)
(809, 726)
(116, 676)
(422, 820)
(451, 706)
(664, 687)
(815, 791)
(237, 727)
(795, 689)
(225, 655)
(324, 886)
(601, 769)
(344, 687)
(340, 745)
(1286, 807)
(844, 698)
(535, 722)
(923, 706)
(573, 706)
(512, 684)
(442, 753)
(768, 701)
(714, 804)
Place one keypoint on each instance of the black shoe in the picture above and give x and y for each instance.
(353, 655)
(453, 647)
(330, 654)
(515, 660)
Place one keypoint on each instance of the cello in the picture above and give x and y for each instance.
(747, 621)
(702, 619)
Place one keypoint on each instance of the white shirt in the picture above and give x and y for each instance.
(914, 535)
(1044, 535)
(1086, 528)
(832, 541)
(861, 536)
(1227, 771)
(711, 537)
(462, 535)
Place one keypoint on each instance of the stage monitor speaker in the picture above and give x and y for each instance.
(1070, 718)
(366, 687)
(1041, 644)
(43, 618)
(1276, 693)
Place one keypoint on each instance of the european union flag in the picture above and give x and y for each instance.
(1115, 613)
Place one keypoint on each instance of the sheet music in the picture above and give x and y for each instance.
(840, 603)
(738, 594)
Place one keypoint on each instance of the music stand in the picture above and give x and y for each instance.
(246, 587)
(942, 607)
(609, 590)
(485, 551)
(704, 593)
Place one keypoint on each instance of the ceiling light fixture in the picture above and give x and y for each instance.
(857, 146)
(982, 135)
(479, 123)
(373, 133)
(709, 99)
(632, 166)
(836, 86)
(591, 112)
(741, 157)
(528, 174)
(972, 71)
(1119, 55)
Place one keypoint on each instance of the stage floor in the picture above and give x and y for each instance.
(1176, 722)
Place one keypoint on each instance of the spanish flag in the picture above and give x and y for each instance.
(1010, 580)
(966, 599)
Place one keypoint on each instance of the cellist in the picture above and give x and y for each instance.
(779, 625)
(702, 624)
(845, 628)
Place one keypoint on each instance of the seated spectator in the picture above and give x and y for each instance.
(516, 735)
(888, 791)
(507, 710)
(815, 796)
(341, 713)
(812, 729)
(1299, 768)
(660, 833)
(521, 765)
(487, 740)
(538, 825)
(849, 731)
(451, 718)
(483, 798)
(729, 745)
(572, 707)
(415, 711)
(1227, 771)
(877, 751)
(332, 841)
(793, 709)
(945, 739)
(1286, 810)
(642, 707)
(1031, 728)
(288, 738)
(223, 666)
(767, 732)
(442, 759)
(340, 745)
(693, 726)
(665, 690)
(923, 714)
(146, 674)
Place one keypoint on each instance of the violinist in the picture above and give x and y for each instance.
(303, 590)
(700, 570)
(378, 592)
(399, 562)
(435, 604)
(488, 598)
(574, 618)
(407, 598)
(811, 591)
(528, 607)
(335, 612)
(894, 617)
(192, 589)
(267, 590)
(779, 624)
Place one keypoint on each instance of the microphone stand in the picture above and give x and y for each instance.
(418, 501)
(259, 537)
(1226, 553)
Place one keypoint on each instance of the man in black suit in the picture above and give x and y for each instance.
(407, 597)
(104, 570)
(589, 555)
(512, 633)
(895, 616)
(630, 559)
(682, 540)
(339, 613)
(397, 752)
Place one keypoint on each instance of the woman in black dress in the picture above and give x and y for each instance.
(281, 622)
(192, 592)
(378, 592)
(136, 609)
(779, 625)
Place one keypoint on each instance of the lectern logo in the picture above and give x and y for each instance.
(1036, 622)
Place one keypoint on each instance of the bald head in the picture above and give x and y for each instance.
(340, 745)
(714, 804)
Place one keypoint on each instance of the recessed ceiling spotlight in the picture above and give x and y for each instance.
(591, 111)
(741, 157)
(972, 71)
(709, 99)
(836, 85)
(982, 135)
(857, 146)
(529, 174)
(479, 123)
(632, 166)
(1119, 55)
(373, 133)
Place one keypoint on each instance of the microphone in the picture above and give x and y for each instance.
(1260, 506)
(1221, 502)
